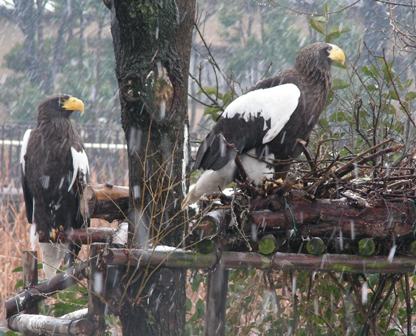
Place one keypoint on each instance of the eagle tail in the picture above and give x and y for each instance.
(52, 255)
(210, 181)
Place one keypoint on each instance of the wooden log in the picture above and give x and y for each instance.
(105, 201)
(30, 275)
(183, 259)
(208, 227)
(268, 244)
(88, 235)
(315, 246)
(31, 296)
(279, 261)
(96, 287)
(76, 315)
(366, 247)
(216, 301)
(46, 325)
(211, 224)
(320, 217)
(342, 263)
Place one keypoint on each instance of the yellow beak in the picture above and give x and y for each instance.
(74, 104)
(336, 54)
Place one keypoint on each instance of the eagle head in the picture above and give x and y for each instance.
(60, 107)
(319, 56)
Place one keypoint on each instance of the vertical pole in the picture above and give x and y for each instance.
(30, 275)
(96, 288)
(216, 301)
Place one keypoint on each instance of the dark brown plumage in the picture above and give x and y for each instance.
(264, 124)
(54, 169)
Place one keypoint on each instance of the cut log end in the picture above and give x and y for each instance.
(268, 244)
(315, 246)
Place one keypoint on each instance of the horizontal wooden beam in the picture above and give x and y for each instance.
(105, 201)
(30, 296)
(278, 261)
(87, 236)
(323, 216)
(46, 325)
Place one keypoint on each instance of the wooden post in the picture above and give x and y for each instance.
(96, 287)
(30, 275)
(216, 301)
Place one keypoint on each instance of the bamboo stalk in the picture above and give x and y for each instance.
(279, 261)
(46, 325)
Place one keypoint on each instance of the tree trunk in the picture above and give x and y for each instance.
(152, 44)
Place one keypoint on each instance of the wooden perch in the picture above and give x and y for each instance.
(279, 261)
(87, 236)
(30, 296)
(46, 325)
(105, 201)
(322, 217)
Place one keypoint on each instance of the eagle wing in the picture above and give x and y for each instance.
(27, 195)
(80, 165)
(251, 120)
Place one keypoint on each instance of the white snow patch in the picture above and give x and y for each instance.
(166, 248)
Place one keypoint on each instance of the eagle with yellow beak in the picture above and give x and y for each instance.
(54, 170)
(263, 126)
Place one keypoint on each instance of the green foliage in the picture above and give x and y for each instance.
(222, 101)
(69, 300)
(195, 305)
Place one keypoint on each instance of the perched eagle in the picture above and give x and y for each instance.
(265, 124)
(54, 173)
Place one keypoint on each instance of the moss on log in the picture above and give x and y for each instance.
(278, 261)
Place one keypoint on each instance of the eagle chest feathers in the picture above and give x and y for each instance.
(54, 178)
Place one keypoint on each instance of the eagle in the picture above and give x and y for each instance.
(264, 125)
(54, 172)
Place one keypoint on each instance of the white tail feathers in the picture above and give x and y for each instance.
(52, 256)
(210, 181)
(191, 197)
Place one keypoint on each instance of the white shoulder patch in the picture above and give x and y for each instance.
(23, 150)
(80, 164)
(275, 104)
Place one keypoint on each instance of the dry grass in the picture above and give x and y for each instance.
(14, 239)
